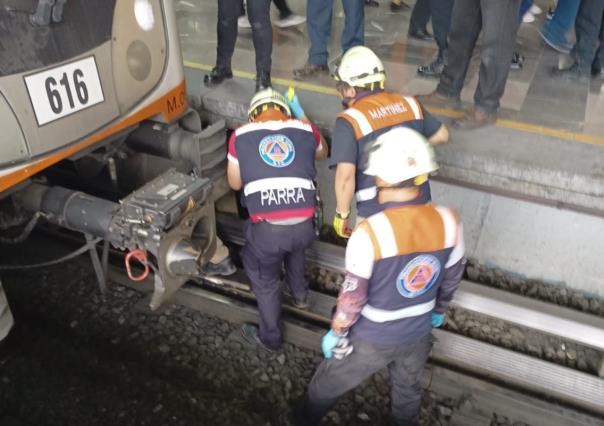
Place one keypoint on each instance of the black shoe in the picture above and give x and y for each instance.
(597, 72)
(372, 3)
(217, 76)
(397, 7)
(432, 70)
(250, 334)
(263, 80)
(310, 70)
(422, 35)
(517, 61)
(224, 268)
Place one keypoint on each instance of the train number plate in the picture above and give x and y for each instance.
(64, 90)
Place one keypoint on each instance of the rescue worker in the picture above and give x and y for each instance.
(403, 265)
(370, 112)
(272, 159)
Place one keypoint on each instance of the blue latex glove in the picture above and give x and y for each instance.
(294, 104)
(329, 341)
(437, 319)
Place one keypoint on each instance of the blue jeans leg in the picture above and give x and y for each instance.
(563, 20)
(354, 24)
(318, 23)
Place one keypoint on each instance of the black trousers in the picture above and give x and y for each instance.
(589, 26)
(440, 10)
(262, 32)
(498, 20)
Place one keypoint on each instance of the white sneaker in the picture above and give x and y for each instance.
(528, 18)
(535, 10)
(243, 22)
(290, 21)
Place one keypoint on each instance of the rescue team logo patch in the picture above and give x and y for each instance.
(277, 150)
(418, 276)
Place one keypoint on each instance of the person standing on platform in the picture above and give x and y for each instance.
(287, 18)
(262, 35)
(498, 21)
(403, 266)
(553, 32)
(370, 111)
(440, 10)
(587, 52)
(318, 23)
(272, 160)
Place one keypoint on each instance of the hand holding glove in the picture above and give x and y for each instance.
(337, 346)
(340, 224)
(437, 319)
(294, 103)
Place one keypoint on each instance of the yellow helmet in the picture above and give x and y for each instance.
(360, 67)
(265, 98)
(399, 155)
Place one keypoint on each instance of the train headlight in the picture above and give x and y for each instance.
(143, 11)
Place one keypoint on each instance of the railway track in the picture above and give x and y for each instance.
(528, 389)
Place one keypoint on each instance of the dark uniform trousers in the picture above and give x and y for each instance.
(333, 378)
(267, 247)
(498, 20)
(440, 10)
(262, 33)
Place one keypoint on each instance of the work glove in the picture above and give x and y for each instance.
(294, 103)
(328, 343)
(340, 224)
(437, 319)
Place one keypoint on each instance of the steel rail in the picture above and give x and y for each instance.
(544, 317)
(480, 359)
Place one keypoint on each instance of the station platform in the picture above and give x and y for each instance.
(548, 143)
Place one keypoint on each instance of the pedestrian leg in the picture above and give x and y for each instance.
(598, 62)
(303, 234)
(318, 23)
(262, 33)
(499, 23)
(466, 23)
(354, 24)
(587, 29)
(420, 15)
(226, 29)
(284, 10)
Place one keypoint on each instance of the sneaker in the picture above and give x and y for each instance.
(224, 268)
(290, 21)
(550, 13)
(250, 333)
(432, 70)
(517, 61)
(528, 18)
(535, 10)
(244, 22)
(309, 71)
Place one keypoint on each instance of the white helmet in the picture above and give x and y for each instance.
(359, 67)
(399, 155)
(261, 101)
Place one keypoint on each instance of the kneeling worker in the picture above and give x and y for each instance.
(403, 265)
(272, 159)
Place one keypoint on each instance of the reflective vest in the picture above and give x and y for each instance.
(277, 165)
(369, 117)
(412, 246)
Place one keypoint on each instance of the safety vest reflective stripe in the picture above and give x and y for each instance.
(382, 315)
(366, 194)
(361, 120)
(417, 113)
(277, 183)
(384, 233)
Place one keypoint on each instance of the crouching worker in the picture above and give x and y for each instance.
(403, 265)
(272, 159)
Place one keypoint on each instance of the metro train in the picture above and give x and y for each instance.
(97, 135)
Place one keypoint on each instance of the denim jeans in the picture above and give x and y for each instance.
(563, 20)
(498, 20)
(262, 32)
(318, 23)
(335, 377)
(588, 29)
